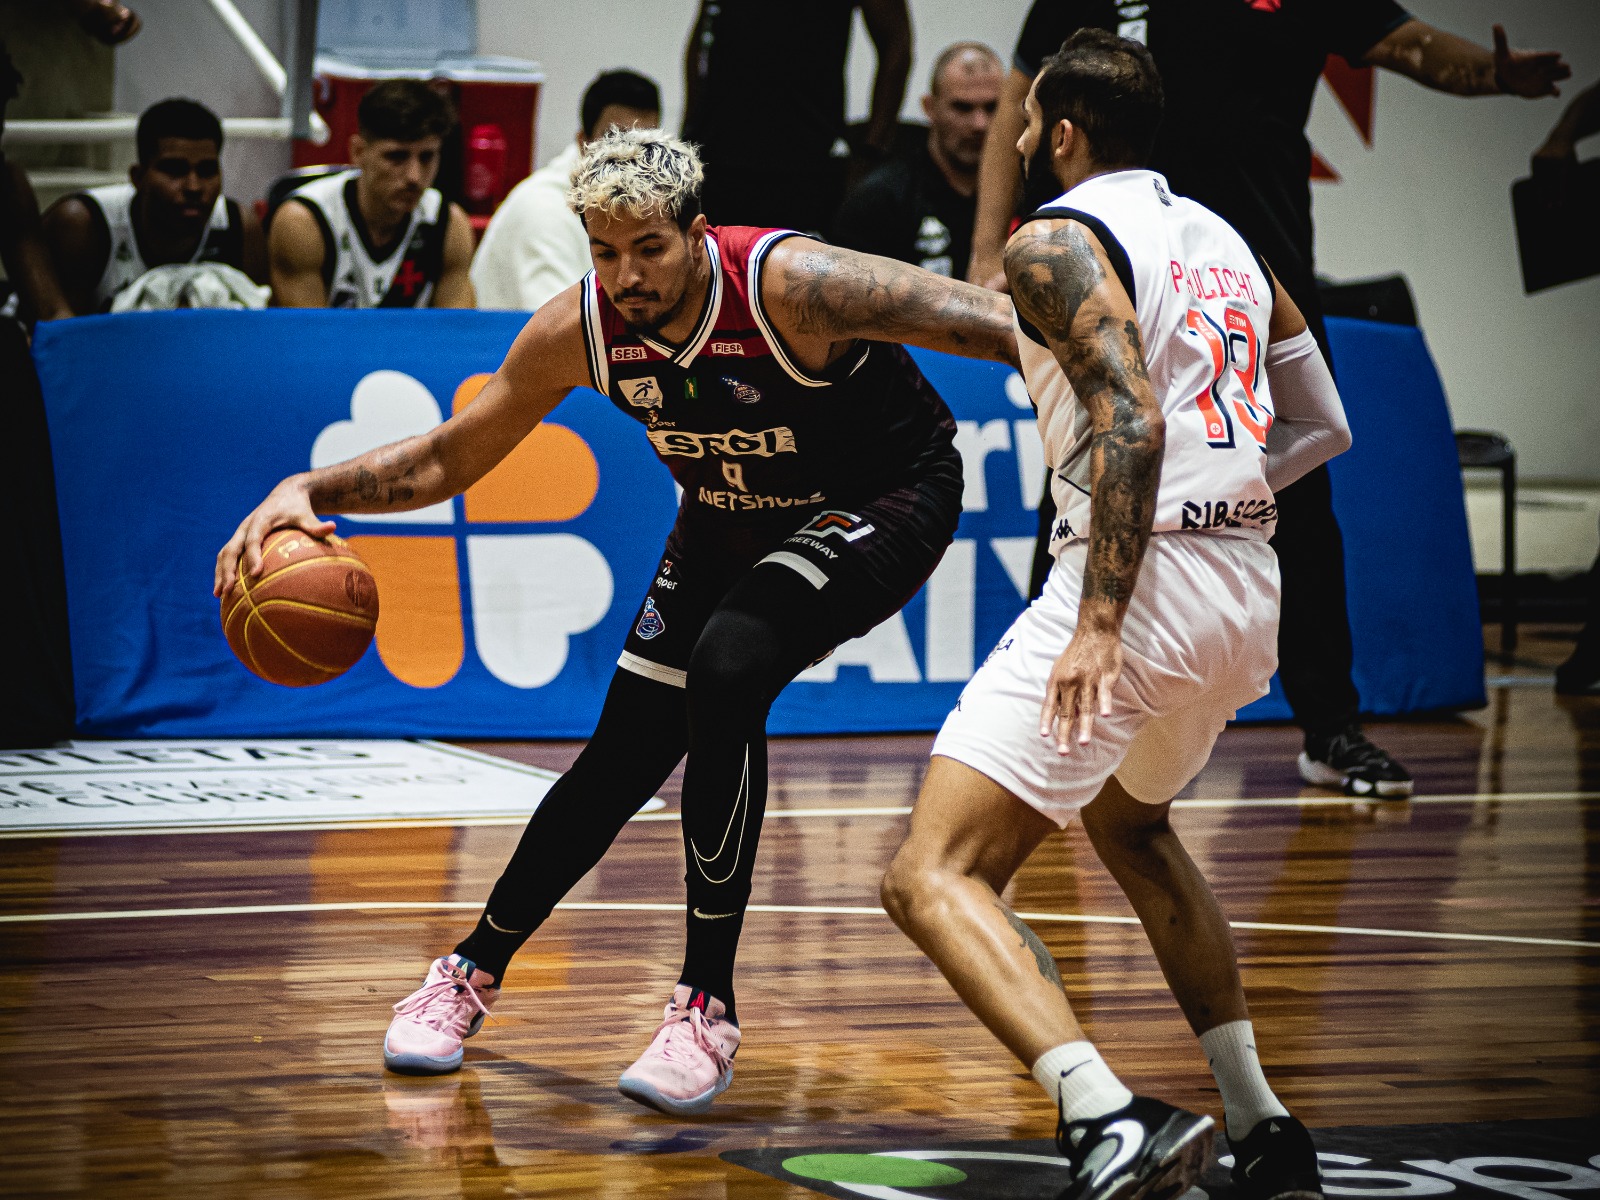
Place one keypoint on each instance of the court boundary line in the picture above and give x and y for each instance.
(845, 910)
(470, 821)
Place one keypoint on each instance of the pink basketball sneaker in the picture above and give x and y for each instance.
(690, 1060)
(425, 1036)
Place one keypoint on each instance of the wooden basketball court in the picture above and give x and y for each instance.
(201, 1013)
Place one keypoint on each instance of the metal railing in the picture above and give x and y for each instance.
(296, 119)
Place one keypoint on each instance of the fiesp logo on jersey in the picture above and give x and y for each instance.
(529, 589)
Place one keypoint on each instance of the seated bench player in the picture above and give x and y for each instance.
(171, 211)
(379, 235)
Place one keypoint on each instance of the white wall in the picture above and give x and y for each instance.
(1431, 198)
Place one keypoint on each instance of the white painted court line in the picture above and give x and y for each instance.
(1442, 798)
(841, 910)
(778, 814)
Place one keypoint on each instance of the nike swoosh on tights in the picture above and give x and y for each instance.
(705, 916)
(741, 813)
(1130, 1137)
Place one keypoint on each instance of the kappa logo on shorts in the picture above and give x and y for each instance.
(650, 623)
(1000, 647)
(839, 524)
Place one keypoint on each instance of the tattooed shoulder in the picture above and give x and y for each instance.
(1051, 274)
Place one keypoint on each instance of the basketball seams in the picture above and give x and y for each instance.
(255, 609)
(354, 618)
(311, 562)
(273, 633)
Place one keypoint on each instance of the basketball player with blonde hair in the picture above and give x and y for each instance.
(821, 485)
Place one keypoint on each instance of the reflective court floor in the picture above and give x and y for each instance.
(201, 1013)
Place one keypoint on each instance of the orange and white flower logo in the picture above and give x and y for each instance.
(527, 591)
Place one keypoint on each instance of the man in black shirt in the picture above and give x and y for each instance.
(1239, 78)
(764, 99)
(920, 209)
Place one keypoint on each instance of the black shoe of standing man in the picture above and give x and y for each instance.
(1348, 761)
(1276, 1161)
(1145, 1150)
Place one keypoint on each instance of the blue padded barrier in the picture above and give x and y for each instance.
(508, 613)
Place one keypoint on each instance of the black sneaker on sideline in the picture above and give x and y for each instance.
(1349, 762)
(1276, 1161)
(1146, 1149)
(1579, 675)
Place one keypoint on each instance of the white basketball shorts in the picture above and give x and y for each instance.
(1199, 642)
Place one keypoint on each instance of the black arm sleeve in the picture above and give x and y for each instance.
(1355, 26)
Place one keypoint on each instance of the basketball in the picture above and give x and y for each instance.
(310, 614)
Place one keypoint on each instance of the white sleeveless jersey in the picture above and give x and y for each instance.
(124, 264)
(404, 278)
(1203, 301)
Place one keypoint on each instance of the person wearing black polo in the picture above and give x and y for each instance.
(1239, 77)
(919, 208)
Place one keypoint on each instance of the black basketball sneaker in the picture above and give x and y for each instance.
(1346, 760)
(1276, 1161)
(1146, 1149)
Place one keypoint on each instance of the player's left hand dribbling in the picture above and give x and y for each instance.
(1080, 686)
(286, 507)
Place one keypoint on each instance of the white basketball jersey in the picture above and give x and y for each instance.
(1203, 302)
(404, 278)
(125, 263)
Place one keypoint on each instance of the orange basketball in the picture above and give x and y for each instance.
(309, 615)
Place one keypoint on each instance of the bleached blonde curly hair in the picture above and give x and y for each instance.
(638, 173)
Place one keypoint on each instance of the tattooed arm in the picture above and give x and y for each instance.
(1064, 285)
(545, 363)
(824, 297)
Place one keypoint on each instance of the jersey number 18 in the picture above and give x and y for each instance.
(1233, 344)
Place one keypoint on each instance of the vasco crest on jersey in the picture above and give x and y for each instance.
(743, 393)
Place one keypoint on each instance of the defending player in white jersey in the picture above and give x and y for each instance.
(1176, 387)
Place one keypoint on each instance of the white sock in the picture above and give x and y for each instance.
(1247, 1098)
(1077, 1078)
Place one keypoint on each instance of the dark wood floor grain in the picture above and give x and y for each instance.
(239, 1054)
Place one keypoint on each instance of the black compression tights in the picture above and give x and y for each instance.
(771, 624)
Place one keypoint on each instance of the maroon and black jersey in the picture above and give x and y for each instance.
(757, 443)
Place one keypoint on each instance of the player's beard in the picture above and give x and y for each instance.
(1040, 185)
(655, 324)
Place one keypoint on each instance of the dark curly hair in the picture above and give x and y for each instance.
(1109, 88)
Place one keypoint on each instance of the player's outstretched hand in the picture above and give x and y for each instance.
(1528, 73)
(1080, 686)
(287, 506)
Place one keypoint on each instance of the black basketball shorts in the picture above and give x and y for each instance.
(865, 560)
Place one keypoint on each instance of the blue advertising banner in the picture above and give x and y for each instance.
(504, 610)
